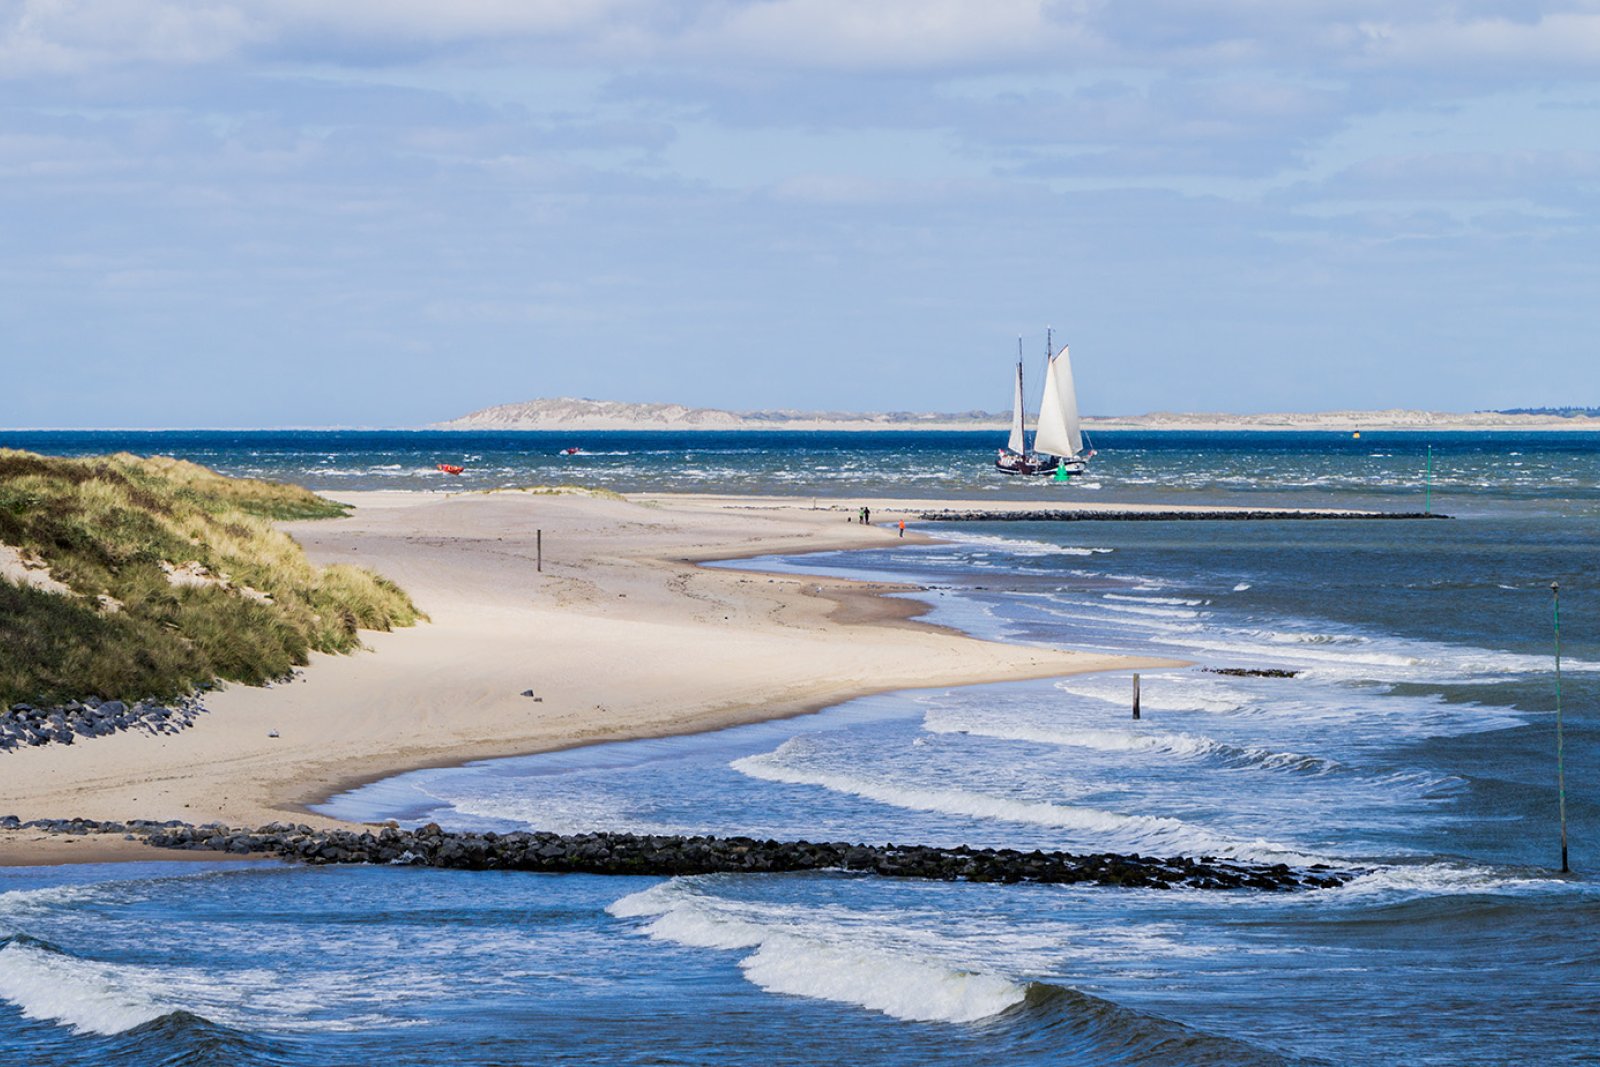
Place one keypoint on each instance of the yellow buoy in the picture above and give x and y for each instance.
(1357, 434)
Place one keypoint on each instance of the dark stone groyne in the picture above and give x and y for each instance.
(22, 725)
(642, 854)
(1130, 515)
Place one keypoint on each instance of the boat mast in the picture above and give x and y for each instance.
(1022, 401)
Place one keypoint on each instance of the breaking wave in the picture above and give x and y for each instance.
(89, 997)
(801, 952)
(808, 959)
(1088, 827)
(1175, 745)
(1018, 546)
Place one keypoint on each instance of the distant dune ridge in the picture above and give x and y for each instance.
(566, 413)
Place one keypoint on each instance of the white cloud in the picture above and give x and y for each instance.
(851, 177)
(64, 36)
(881, 35)
(884, 35)
(1564, 39)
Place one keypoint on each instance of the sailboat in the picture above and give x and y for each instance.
(1058, 446)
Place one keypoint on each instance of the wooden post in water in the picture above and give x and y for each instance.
(538, 547)
(1561, 774)
(1136, 696)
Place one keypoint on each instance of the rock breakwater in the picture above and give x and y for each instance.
(1132, 515)
(665, 855)
(24, 725)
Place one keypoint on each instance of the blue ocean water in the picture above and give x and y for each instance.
(1387, 469)
(1416, 742)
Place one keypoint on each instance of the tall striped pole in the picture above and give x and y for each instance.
(1561, 774)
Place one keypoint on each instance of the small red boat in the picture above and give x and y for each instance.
(451, 468)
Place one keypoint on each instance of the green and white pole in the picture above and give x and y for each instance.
(1561, 774)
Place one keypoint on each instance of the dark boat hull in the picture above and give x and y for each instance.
(1027, 467)
(1031, 466)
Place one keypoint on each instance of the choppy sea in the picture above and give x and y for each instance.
(1417, 741)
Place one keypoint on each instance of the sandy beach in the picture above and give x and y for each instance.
(622, 635)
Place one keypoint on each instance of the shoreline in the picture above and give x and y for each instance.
(626, 634)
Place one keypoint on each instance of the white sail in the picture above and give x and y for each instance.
(1018, 443)
(1058, 433)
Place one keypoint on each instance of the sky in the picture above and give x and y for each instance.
(393, 212)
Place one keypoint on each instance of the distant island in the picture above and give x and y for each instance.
(1565, 413)
(567, 413)
(577, 415)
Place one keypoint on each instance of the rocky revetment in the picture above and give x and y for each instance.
(670, 855)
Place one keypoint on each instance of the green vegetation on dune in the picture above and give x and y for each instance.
(177, 578)
(557, 490)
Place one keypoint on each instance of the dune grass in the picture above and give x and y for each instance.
(178, 578)
(558, 490)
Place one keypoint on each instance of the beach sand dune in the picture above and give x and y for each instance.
(622, 635)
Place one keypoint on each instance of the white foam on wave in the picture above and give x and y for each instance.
(1094, 827)
(1019, 546)
(99, 996)
(1176, 601)
(1345, 656)
(89, 997)
(1324, 651)
(805, 956)
(1122, 628)
(1178, 691)
(20, 903)
(1455, 879)
(564, 812)
(1156, 742)
(95, 996)
(1303, 702)
(1155, 611)
(899, 987)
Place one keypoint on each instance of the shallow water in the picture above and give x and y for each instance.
(1417, 742)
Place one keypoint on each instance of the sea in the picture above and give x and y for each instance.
(1418, 742)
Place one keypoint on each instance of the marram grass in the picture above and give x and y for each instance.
(558, 490)
(178, 579)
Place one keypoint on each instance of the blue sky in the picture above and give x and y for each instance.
(388, 212)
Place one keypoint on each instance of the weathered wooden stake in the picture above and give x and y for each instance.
(1427, 494)
(1135, 696)
(1561, 774)
(538, 543)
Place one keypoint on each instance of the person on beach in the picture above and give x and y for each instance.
(866, 515)
(902, 527)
